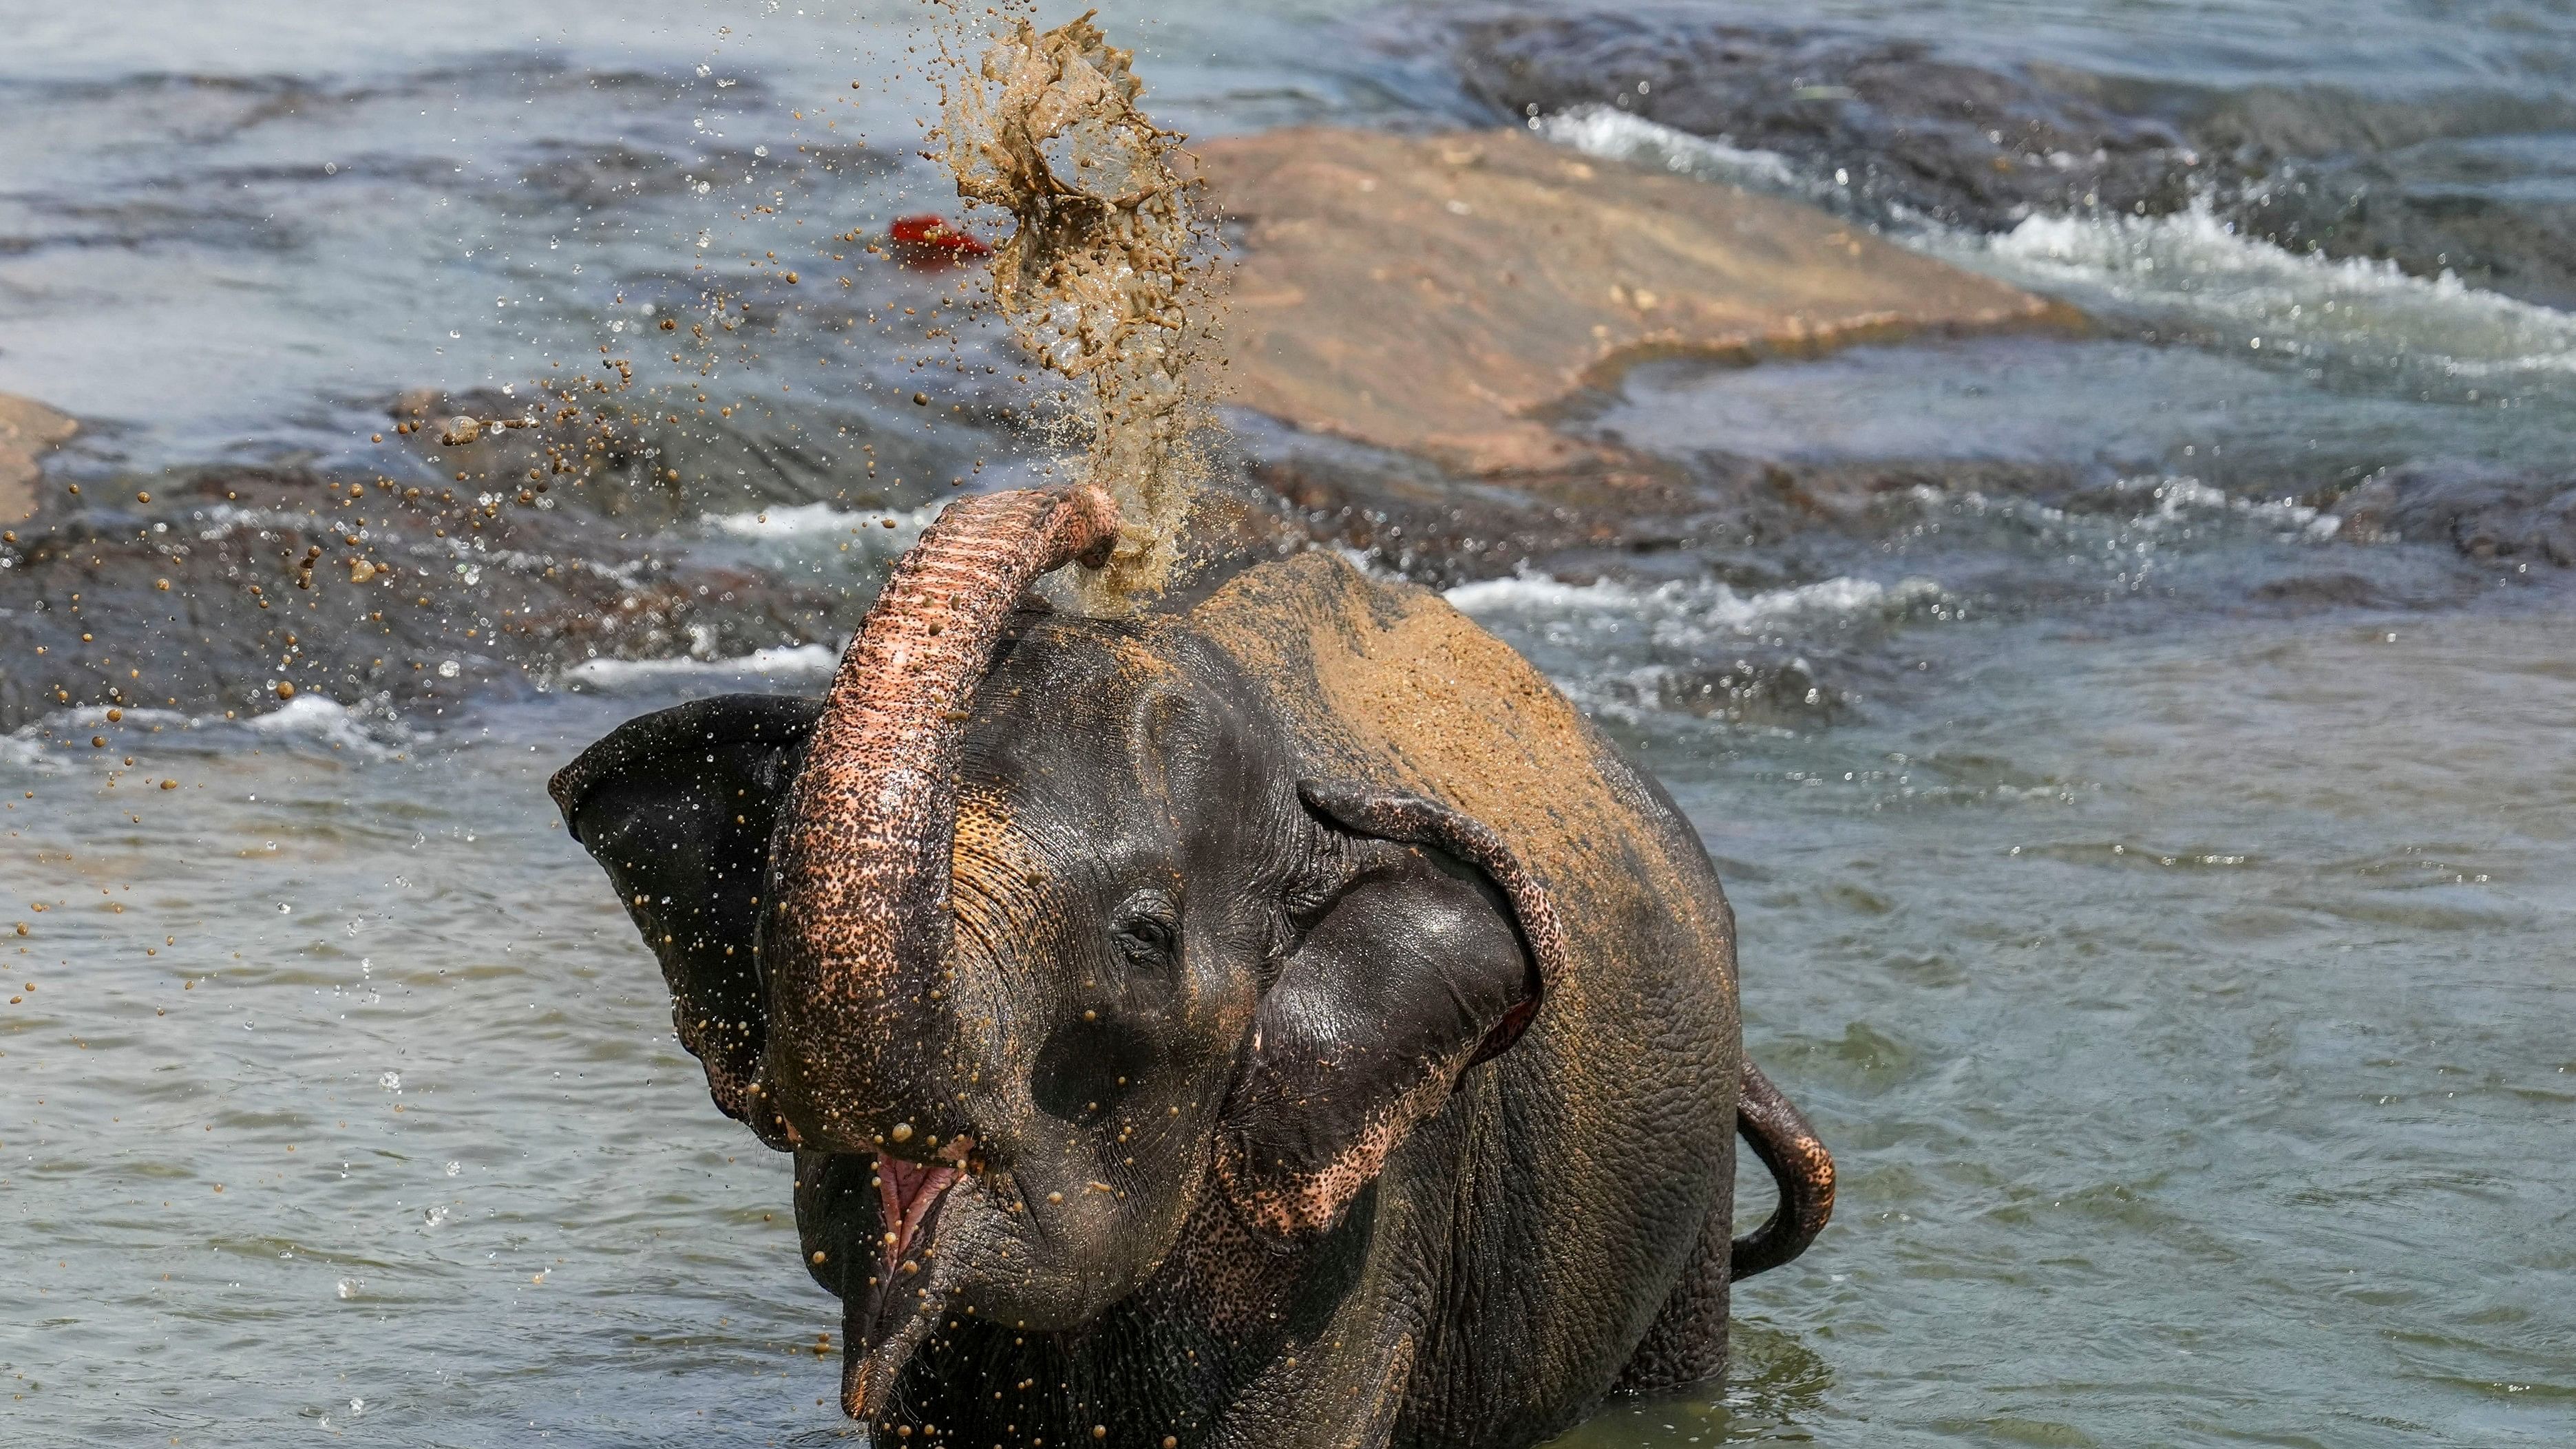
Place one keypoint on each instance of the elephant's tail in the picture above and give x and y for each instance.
(1799, 1163)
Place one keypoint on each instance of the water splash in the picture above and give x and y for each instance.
(1100, 280)
(1617, 135)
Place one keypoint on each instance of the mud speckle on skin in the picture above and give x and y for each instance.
(1098, 281)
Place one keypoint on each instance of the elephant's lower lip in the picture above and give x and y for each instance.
(909, 1196)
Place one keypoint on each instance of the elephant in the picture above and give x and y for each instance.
(1273, 1014)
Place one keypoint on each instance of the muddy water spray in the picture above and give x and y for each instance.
(1100, 279)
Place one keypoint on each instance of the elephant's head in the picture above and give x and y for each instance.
(1036, 938)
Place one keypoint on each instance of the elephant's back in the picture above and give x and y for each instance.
(1619, 1103)
(1386, 683)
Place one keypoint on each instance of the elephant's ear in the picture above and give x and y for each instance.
(1429, 953)
(677, 806)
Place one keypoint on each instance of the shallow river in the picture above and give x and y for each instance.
(2162, 905)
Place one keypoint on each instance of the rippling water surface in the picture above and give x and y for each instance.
(2159, 900)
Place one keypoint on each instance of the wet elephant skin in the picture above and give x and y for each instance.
(1337, 1041)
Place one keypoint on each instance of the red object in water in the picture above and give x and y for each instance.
(932, 238)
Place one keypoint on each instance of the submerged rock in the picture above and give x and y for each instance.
(1412, 518)
(1912, 133)
(2483, 513)
(214, 591)
(1754, 522)
(2307, 592)
(1780, 692)
(1441, 294)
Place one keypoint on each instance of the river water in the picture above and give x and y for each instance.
(2159, 899)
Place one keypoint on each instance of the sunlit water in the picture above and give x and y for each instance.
(2168, 929)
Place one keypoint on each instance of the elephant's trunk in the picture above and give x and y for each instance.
(855, 948)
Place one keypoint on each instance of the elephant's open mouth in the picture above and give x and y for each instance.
(883, 1325)
(910, 1194)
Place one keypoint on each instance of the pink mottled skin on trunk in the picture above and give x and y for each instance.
(861, 925)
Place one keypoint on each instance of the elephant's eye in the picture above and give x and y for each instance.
(1146, 929)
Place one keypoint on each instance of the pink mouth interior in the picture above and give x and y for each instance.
(908, 1191)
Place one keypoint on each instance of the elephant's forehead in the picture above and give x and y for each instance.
(1410, 693)
(1067, 754)
(1073, 672)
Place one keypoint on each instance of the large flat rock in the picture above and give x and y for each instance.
(27, 429)
(1440, 294)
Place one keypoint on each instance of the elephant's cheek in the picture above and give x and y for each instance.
(1003, 892)
(1009, 1270)
(1021, 1278)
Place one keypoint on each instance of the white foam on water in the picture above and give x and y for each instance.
(1527, 591)
(2195, 265)
(2171, 498)
(782, 661)
(807, 519)
(2192, 265)
(1611, 645)
(23, 749)
(468, 559)
(1607, 625)
(369, 729)
(1706, 604)
(226, 518)
(1636, 696)
(2177, 497)
(96, 714)
(1616, 135)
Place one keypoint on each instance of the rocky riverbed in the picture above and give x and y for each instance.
(1904, 130)
(1426, 337)
(2135, 749)
(229, 590)
(1432, 334)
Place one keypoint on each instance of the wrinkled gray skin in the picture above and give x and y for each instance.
(1227, 1129)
